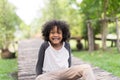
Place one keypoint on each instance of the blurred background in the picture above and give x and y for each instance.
(94, 25)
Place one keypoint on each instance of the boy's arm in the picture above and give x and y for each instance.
(40, 61)
(67, 46)
(70, 58)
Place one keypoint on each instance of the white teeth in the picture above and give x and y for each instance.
(55, 39)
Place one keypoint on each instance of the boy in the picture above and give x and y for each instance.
(54, 60)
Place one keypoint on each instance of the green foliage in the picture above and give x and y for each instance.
(55, 9)
(77, 14)
(8, 21)
(112, 29)
(108, 60)
(113, 8)
(25, 30)
(96, 10)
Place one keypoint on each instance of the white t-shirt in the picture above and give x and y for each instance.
(55, 59)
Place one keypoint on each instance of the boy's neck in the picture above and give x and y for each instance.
(57, 46)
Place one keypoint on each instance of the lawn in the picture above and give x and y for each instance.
(7, 66)
(108, 60)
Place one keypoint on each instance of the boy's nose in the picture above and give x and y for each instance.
(56, 34)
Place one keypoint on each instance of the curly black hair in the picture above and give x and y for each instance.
(62, 25)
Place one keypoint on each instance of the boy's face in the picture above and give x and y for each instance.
(55, 36)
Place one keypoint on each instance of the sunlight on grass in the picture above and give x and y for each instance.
(5, 77)
(108, 60)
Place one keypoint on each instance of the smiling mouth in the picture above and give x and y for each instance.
(55, 38)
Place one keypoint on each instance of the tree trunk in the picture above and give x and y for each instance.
(6, 54)
(104, 34)
(117, 32)
(90, 37)
(104, 24)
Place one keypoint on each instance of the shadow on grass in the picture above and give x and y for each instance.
(14, 75)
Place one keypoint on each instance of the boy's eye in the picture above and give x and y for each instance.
(59, 32)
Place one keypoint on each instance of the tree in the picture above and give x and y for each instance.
(118, 35)
(90, 36)
(8, 21)
(99, 10)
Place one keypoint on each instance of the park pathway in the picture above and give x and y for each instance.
(27, 58)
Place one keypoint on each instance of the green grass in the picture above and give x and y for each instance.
(7, 66)
(108, 60)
